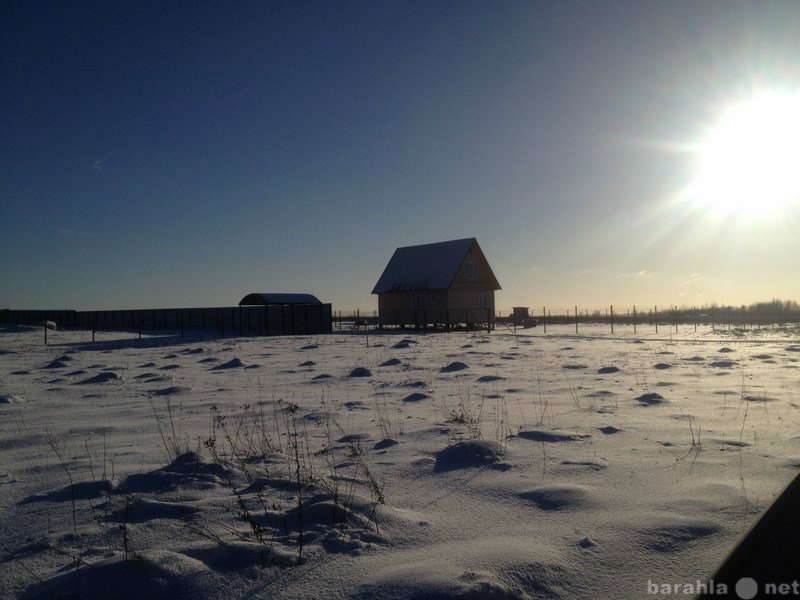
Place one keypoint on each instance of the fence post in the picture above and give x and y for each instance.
(634, 319)
(612, 319)
(544, 319)
(576, 319)
(656, 317)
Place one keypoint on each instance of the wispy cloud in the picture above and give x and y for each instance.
(694, 278)
(97, 165)
(72, 233)
(644, 273)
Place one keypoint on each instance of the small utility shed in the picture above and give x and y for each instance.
(441, 284)
(284, 314)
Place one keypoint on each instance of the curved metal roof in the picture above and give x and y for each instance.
(260, 299)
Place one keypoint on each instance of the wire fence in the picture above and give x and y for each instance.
(772, 315)
(777, 315)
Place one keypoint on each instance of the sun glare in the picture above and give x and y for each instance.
(750, 160)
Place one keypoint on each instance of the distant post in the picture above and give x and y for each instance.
(576, 319)
(634, 319)
(656, 317)
(544, 319)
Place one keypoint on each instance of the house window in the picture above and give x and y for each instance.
(472, 270)
(482, 300)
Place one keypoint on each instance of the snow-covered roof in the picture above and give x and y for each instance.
(425, 267)
(261, 299)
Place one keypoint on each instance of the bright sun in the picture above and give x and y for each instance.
(750, 160)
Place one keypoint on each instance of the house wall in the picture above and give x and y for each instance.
(398, 308)
(459, 299)
(440, 307)
(483, 281)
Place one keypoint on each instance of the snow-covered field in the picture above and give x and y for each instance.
(389, 465)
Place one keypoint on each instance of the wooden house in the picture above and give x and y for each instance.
(443, 284)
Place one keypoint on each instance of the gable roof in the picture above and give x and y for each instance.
(262, 299)
(425, 267)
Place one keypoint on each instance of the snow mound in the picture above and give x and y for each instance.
(415, 397)
(404, 343)
(550, 436)
(606, 370)
(453, 367)
(759, 398)
(651, 399)
(234, 363)
(173, 390)
(490, 378)
(103, 377)
(467, 454)
(560, 497)
(158, 574)
(360, 372)
(674, 533)
(189, 471)
(662, 366)
(56, 364)
(390, 363)
(609, 430)
(722, 364)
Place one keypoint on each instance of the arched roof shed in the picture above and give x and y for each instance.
(260, 299)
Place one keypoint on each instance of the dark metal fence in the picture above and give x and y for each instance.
(272, 319)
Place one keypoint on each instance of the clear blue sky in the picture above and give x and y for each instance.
(160, 154)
